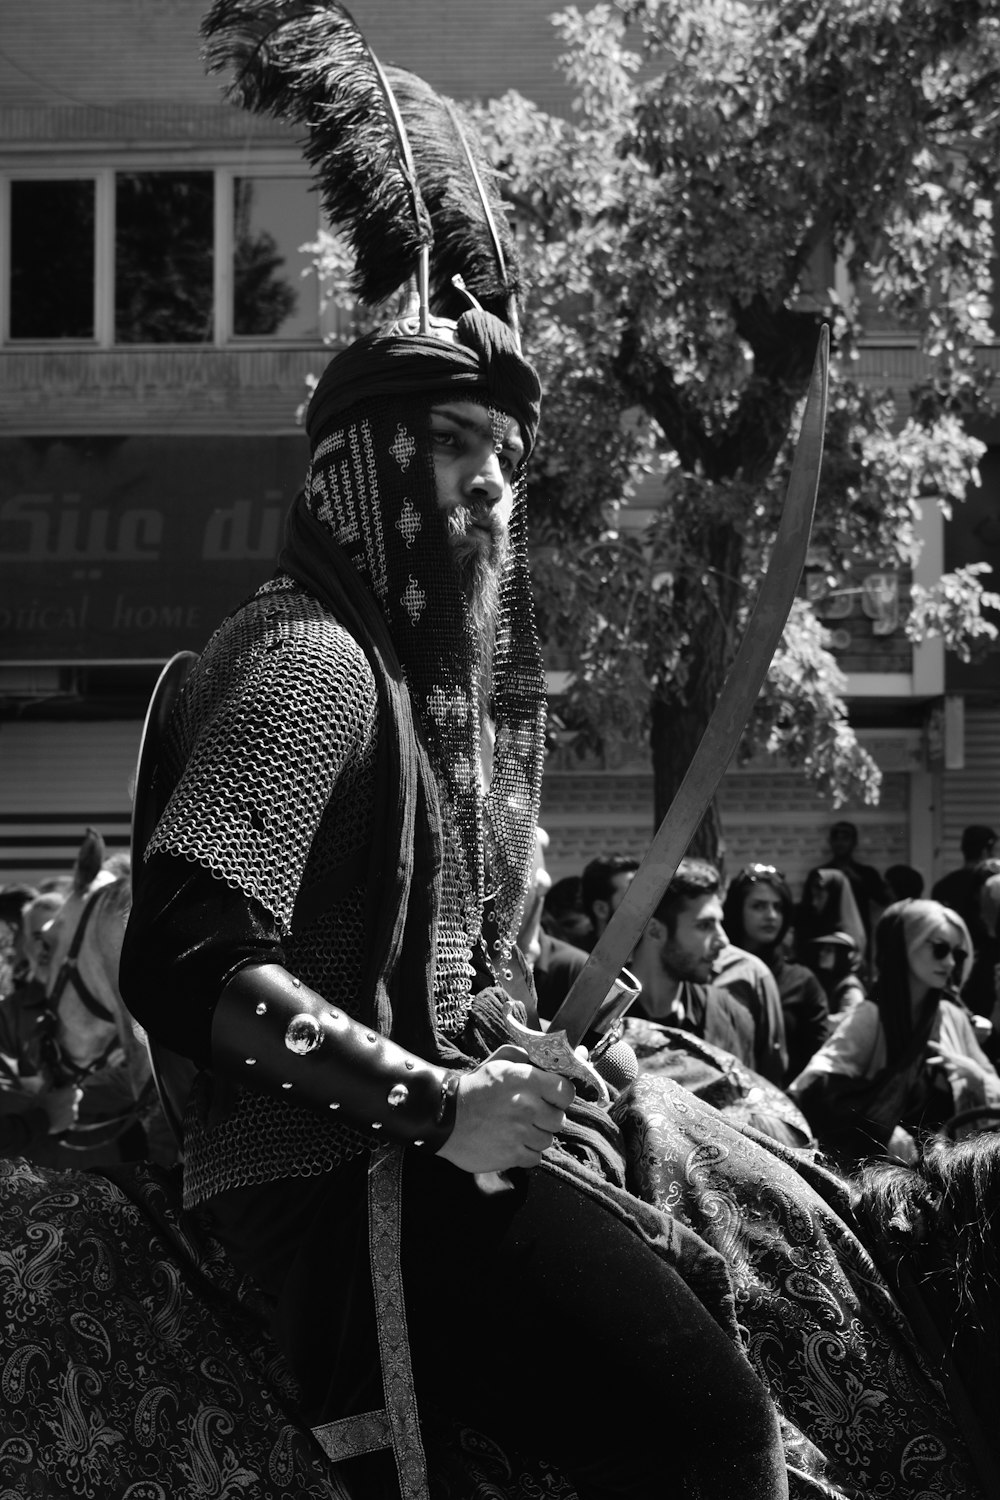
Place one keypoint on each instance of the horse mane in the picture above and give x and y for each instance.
(939, 1224)
(945, 1210)
(115, 898)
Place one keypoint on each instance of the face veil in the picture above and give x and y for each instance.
(371, 488)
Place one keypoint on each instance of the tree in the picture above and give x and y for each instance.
(672, 231)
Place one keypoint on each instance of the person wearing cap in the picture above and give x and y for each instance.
(835, 963)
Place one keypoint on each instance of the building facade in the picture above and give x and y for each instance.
(159, 322)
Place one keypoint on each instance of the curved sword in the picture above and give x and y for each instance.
(576, 1016)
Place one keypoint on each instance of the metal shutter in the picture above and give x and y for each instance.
(55, 781)
(971, 795)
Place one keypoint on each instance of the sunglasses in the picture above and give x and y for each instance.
(940, 948)
(761, 872)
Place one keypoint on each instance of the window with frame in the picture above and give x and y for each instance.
(274, 294)
(161, 256)
(52, 259)
(164, 238)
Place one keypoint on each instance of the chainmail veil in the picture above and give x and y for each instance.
(371, 487)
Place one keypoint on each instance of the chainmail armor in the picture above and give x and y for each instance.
(296, 804)
(311, 734)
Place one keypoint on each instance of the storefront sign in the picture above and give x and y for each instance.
(129, 549)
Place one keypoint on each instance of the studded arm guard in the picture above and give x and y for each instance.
(274, 1034)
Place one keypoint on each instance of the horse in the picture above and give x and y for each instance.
(99, 1047)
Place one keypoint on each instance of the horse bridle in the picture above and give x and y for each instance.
(69, 972)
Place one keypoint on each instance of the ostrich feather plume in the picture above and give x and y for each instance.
(472, 234)
(308, 63)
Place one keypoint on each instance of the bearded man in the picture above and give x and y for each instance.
(675, 960)
(323, 926)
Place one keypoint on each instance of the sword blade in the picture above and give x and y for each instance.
(729, 717)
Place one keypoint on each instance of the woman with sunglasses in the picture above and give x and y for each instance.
(903, 1062)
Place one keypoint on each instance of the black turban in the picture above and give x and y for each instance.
(484, 361)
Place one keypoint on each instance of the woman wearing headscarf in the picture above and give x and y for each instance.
(827, 905)
(757, 914)
(906, 1060)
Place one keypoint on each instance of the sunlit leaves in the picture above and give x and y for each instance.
(718, 151)
(953, 609)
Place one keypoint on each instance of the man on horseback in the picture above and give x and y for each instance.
(324, 924)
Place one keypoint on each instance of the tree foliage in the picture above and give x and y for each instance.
(675, 229)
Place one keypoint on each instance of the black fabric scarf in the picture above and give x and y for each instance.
(403, 887)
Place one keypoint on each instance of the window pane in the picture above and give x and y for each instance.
(272, 218)
(52, 259)
(163, 257)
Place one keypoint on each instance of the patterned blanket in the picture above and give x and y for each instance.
(134, 1361)
(861, 1410)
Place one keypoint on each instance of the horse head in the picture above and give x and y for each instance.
(36, 922)
(83, 943)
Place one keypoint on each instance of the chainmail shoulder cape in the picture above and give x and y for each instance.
(280, 710)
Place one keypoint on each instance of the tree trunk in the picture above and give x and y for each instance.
(674, 739)
(676, 730)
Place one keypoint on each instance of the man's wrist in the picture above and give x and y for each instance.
(448, 1106)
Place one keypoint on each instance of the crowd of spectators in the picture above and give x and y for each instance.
(875, 1008)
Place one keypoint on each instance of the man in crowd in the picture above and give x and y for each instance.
(674, 962)
(323, 927)
(602, 888)
(960, 888)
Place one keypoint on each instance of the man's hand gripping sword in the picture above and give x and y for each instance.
(591, 992)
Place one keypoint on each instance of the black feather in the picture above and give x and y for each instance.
(472, 233)
(308, 63)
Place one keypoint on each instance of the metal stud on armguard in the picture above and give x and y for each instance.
(304, 1050)
(304, 1034)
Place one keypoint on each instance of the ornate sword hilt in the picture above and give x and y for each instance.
(551, 1050)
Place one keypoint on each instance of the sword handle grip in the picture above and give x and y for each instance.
(551, 1050)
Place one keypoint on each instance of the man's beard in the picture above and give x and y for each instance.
(683, 966)
(479, 558)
